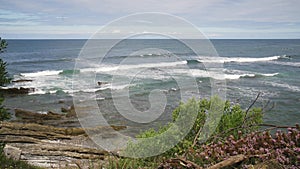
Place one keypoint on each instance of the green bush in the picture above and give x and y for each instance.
(5, 162)
(4, 77)
(230, 121)
(235, 121)
(4, 115)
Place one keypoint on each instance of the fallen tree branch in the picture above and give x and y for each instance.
(275, 126)
(182, 162)
(229, 162)
(196, 137)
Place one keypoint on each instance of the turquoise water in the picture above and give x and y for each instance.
(250, 66)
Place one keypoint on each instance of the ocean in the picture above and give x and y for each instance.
(271, 67)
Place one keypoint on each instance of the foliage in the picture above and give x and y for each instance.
(231, 120)
(283, 147)
(4, 77)
(152, 141)
(4, 115)
(3, 45)
(237, 120)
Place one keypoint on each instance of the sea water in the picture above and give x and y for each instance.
(271, 67)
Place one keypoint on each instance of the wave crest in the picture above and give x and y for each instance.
(237, 59)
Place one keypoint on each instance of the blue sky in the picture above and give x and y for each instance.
(28, 19)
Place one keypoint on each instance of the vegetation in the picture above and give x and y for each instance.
(5, 115)
(4, 77)
(256, 146)
(234, 124)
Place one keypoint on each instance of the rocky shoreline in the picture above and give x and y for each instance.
(51, 140)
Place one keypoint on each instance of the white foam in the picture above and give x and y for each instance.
(220, 75)
(270, 74)
(284, 85)
(293, 64)
(116, 87)
(236, 59)
(42, 73)
(37, 91)
(106, 68)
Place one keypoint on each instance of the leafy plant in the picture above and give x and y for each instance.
(233, 120)
(4, 77)
(284, 147)
(4, 115)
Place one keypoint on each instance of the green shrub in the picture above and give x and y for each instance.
(230, 121)
(4, 115)
(234, 121)
(4, 77)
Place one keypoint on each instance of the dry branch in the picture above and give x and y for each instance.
(229, 162)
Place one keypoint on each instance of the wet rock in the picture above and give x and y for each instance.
(21, 80)
(64, 110)
(71, 112)
(102, 83)
(16, 91)
(26, 114)
(61, 101)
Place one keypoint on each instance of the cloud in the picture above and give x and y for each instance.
(275, 16)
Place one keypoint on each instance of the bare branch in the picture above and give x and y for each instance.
(254, 101)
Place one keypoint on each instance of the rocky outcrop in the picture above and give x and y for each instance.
(52, 147)
(26, 114)
(71, 112)
(102, 83)
(21, 80)
(65, 119)
(12, 152)
(16, 91)
(53, 140)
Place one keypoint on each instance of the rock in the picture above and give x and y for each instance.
(61, 101)
(64, 110)
(21, 80)
(52, 147)
(25, 114)
(49, 132)
(71, 112)
(12, 152)
(16, 91)
(102, 83)
(31, 130)
(19, 139)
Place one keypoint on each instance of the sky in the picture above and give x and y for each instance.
(216, 19)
